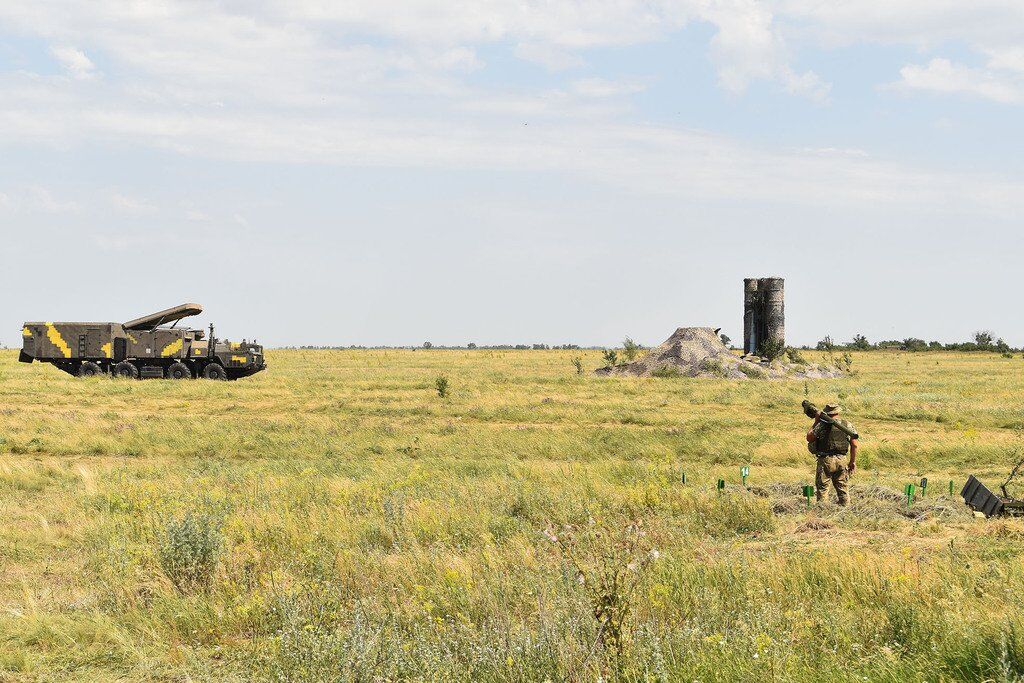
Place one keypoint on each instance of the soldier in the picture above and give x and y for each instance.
(830, 445)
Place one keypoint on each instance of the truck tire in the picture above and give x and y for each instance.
(89, 369)
(126, 370)
(215, 371)
(178, 371)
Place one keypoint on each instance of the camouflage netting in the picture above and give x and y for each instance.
(699, 352)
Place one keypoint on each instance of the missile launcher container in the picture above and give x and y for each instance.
(148, 347)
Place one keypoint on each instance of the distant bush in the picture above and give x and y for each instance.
(860, 342)
(984, 339)
(826, 344)
(630, 349)
(611, 357)
(188, 549)
(914, 344)
(441, 384)
(577, 363)
(726, 339)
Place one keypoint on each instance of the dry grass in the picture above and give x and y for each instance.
(373, 530)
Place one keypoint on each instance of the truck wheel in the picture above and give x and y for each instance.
(89, 369)
(178, 371)
(126, 370)
(214, 371)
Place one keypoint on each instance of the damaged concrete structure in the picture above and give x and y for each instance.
(764, 314)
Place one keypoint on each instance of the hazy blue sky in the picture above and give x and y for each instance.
(491, 171)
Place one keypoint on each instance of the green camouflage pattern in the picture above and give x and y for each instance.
(143, 347)
(831, 439)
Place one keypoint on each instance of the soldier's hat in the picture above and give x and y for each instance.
(831, 409)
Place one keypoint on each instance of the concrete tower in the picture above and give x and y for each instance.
(764, 313)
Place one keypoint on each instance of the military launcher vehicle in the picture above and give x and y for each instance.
(141, 348)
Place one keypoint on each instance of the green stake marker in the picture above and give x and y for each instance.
(808, 492)
(682, 477)
(909, 490)
(951, 487)
(744, 473)
(924, 486)
(721, 485)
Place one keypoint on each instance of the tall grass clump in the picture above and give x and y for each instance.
(188, 548)
(609, 563)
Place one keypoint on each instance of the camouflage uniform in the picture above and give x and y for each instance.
(831, 446)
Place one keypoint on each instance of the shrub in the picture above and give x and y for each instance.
(441, 384)
(713, 366)
(984, 339)
(577, 363)
(795, 356)
(611, 357)
(630, 349)
(188, 549)
(772, 348)
(826, 344)
(914, 344)
(752, 371)
(860, 342)
(726, 340)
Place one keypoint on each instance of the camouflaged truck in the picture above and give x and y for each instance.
(142, 348)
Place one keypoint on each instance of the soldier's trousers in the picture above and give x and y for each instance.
(832, 468)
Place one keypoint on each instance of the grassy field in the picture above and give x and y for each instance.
(335, 519)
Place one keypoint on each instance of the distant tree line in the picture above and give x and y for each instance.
(983, 340)
(471, 346)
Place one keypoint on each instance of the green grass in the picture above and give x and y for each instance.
(347, 523)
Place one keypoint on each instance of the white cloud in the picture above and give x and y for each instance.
(197, 216)
(35, 199)
(74, 62)
(302, 82)
(130, 205)
(549, 56)
(943, 76)
(748, 47)
(601, 87)
(310, 51)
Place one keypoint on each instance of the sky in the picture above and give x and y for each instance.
(558, 171)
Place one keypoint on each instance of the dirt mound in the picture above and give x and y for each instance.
(699, 352)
